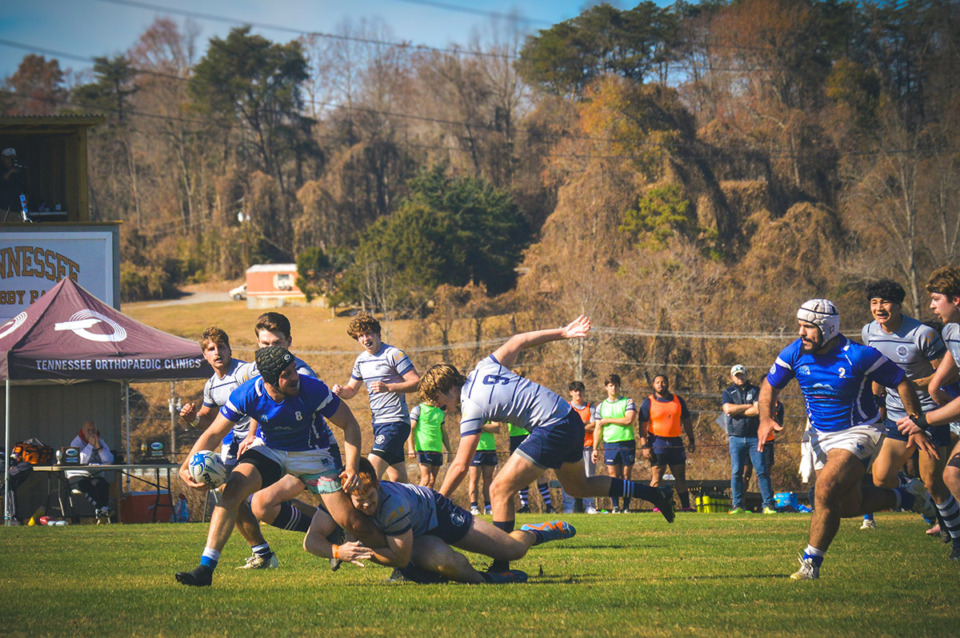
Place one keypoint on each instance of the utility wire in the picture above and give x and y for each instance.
(285, 29)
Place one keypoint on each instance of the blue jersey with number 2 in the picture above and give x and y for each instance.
(836, 385)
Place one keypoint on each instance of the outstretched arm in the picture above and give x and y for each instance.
(507, 353)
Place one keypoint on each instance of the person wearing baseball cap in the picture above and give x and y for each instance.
(12, 183)
(835, 376)
(740, 406)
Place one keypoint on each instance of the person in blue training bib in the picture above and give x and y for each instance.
(292, 411)
(944, 288)
(388, 374)
(834, 375)
(917, 349)
(492, 392)
(420, 526)
(227, 377)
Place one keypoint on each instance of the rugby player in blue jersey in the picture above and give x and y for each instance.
(944, 288)
(420, 527)
(917, 349)
(228, 376)
(292, 411)
(492, 392)
(835, 376)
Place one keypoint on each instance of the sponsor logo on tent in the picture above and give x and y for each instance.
(12, 325)
(81, 321)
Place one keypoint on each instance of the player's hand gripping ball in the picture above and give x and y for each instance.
(206, 467)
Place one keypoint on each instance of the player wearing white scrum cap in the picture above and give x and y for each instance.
(823, 314)
(835, 376)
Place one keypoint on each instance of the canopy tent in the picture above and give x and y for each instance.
(68, 335)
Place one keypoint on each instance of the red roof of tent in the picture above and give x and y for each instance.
(70, 335)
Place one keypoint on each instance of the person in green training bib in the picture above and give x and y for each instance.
(484, 462)
(614, 418)
(428, 439)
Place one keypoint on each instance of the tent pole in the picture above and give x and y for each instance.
(173, 418)
(7, 509)
(126, 386)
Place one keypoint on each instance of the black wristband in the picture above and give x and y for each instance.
(920, 420)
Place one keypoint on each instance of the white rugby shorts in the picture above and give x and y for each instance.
(863, 441)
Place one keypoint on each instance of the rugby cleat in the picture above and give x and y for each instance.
(202, 576)
(475, 510)
(524, 509)
(666, 503)
(868, 523)
(505, 578)
(922, 504)
(259, 562)
(550, 531)
(809, 570)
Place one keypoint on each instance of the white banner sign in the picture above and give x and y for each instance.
(32, 263)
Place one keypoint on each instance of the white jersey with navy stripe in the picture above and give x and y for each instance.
(217, 389)
(494, 393)
(387, 365)
(912, 346)
(951, 339)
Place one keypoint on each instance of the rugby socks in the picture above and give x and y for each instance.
(950, 513)
(626, 503)
(262, 550)
(615, 502)
(210, 558)
(868, 517)
(904, 499)
(501, 565)
(474, 505)
(545, 495)
(524, 497)
(619, 487)
(815, 554)
(291, 518)
(684, 500)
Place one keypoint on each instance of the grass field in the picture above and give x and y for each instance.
(705, 575)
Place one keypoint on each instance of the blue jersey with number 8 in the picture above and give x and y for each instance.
(494, 393)
(836, 386)
(295, 424)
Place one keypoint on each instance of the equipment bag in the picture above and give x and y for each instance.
(33, 452)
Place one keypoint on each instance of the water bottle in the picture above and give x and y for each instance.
(23, 207)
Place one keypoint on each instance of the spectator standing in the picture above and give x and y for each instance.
(740, 405)
(662, 416)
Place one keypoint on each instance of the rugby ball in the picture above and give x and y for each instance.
(206, 467)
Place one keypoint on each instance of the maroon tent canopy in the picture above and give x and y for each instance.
(70, 335)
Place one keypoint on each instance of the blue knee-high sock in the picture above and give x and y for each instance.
(545, 494)
(619, 487)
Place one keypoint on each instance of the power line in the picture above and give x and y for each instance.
(285, 29)
(479, 12)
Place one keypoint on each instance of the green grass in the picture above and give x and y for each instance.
(622, 575)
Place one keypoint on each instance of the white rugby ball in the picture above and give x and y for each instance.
(206, 467)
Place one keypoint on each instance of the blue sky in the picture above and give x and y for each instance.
(88, 28)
